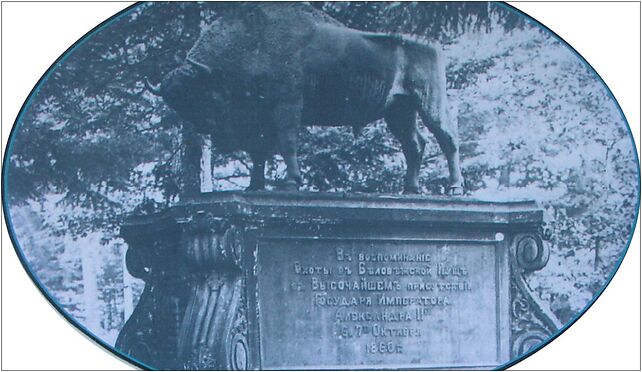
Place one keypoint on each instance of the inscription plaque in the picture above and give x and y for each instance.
(375, 303)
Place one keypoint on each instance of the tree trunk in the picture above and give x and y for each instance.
(504, 175)
(596, 260)
(88, 247)
(190, 171)
(128, 298)
(207, 183)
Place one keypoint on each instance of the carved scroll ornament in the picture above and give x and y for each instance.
(532, 322)
(192, 313)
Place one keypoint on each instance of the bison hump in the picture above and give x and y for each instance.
(265, 31)
(222, 44)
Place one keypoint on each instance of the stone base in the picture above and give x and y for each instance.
(271, 280)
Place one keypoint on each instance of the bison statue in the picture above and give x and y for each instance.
(257, 74)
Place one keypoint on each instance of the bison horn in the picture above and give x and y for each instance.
(155, 89)
(203, 68)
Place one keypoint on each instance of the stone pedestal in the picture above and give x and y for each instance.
(335, 281)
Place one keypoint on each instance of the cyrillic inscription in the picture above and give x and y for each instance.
(376, 303)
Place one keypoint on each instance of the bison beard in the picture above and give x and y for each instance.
(254, 77)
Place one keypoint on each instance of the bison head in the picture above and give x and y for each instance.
(186, 90)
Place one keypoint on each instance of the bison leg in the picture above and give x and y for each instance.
(401, 119)
(439, 124)
(257, 174)
(288, 119)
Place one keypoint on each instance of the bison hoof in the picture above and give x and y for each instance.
(411, 190)
(455, 190)
(290, 185)
(255, 188)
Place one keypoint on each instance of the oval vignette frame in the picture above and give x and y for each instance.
(139, 364)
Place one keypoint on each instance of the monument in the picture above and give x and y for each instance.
(281, 280)
(289, 280)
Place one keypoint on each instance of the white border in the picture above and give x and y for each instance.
(35, 337)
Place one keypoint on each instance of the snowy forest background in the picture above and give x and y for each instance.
(534, 123)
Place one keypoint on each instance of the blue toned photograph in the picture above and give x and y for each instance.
(321, 185)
